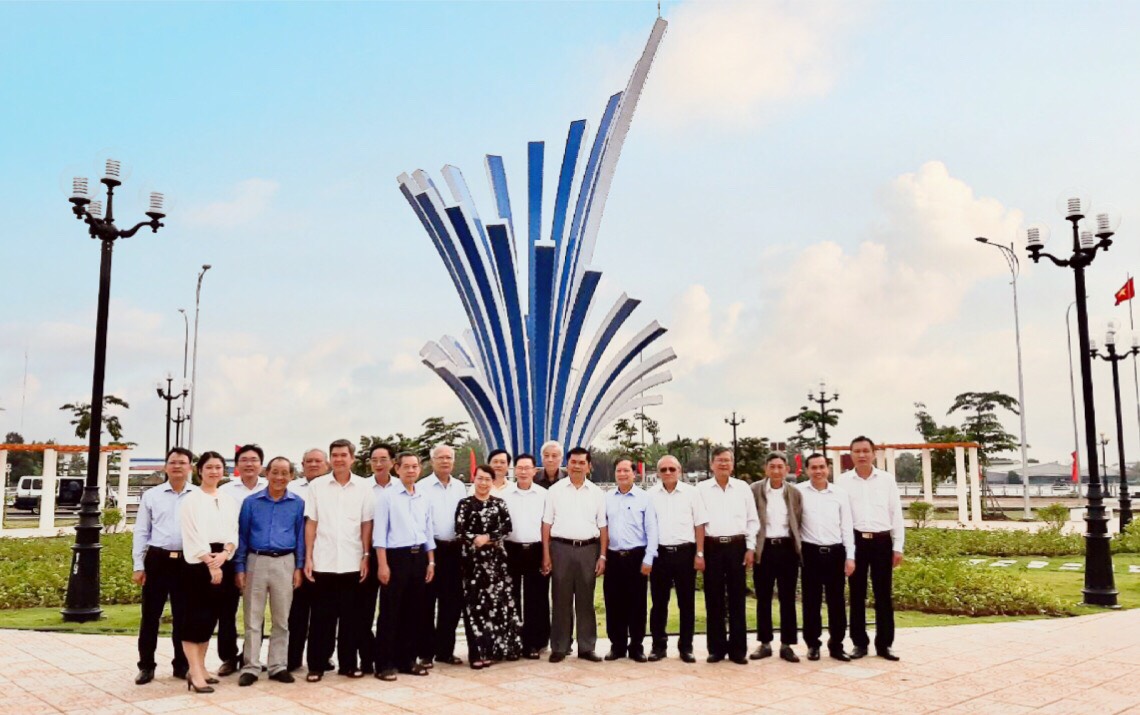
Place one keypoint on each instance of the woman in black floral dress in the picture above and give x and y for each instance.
(490, 612)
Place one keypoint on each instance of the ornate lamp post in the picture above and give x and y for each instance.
(82, 602)
(178, 426)
(194, 364)
(170, 396)
(1114, 357)
(1100, 585)
(821, 400)
(734, 423)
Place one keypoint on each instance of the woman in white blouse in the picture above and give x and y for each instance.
(209, 539)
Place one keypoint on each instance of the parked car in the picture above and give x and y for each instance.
(68, 492)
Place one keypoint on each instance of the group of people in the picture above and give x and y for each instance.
(383, 569)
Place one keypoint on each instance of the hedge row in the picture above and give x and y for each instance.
(954, 586)
(34, 572)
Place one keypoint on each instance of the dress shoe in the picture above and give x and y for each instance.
(195, 689)
(557, 657)
(840, 656)
(590, 656)
(739, 660)
(510, 658)
(886, 654)
(687, 656)
(614, 655)
(145, 676)
(181, 673)
(813, 653)
(786, 653)
(247, 679)
(530, 654)
(283, 676)
(714, 658)
(211, 681)
(656, 655)
(228, 667)
(762, 651)
(638, 656)
(859, 652)
(449, 660)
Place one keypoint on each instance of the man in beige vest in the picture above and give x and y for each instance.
(780, 508)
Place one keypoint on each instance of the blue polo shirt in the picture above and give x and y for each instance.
(268, 524)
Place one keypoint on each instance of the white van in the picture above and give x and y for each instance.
(68, 492)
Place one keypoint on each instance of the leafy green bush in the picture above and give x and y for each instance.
(33, 572)
(920, 512)
(1055, 515)
(956, 587)
(944, 543)
(1129, 541)
(110, 519)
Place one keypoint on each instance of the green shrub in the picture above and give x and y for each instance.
(944, 543)
(110, 518)
(920, 512)
(954, 586)
(1055, 515)
(1129, 541)
(33, 572)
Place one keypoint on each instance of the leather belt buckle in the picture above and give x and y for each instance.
(174, 554)
(866, 535)
(825, 549)
(776, 541)
(415, 549)
(724, 539)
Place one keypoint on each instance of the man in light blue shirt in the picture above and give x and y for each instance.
(444, 492)
(157, 555)
(632, 548)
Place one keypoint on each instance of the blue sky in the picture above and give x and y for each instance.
(795, 200)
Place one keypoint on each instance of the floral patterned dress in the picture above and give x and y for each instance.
(489, 609)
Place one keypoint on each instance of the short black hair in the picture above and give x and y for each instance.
(181, 450)
(381, 445)
(619, 460)
(250, 448)
(496, 452)
(814, 455)
(400, 457)
(719, 451)
(580, 450)
(343, 443)
(484, 468)
(206, 457)
(773, 456)
(525, 455)
(863, 438)
(286, 460)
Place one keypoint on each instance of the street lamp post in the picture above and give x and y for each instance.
(1014, 269)
(1114, 357)
(1073, 402)
(170, 395)
(822, 401)
(82, 602)
(1100, 584)
(194, 367)
(178, 426)
(735, 423)
(1103, 449)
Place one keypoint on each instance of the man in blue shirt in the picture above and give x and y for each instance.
(269, 560)
(158, 563)
(632, 548)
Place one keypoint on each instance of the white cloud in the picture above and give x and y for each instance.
(250, 200)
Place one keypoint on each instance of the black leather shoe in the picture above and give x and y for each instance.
(449, 660)
(840, 655)
(283, 676)
(687, 657)
(786, 653)
(228, 667)
(813, 653)
(530, 654)
(858, 652)
(762, 651)
(739, 660)
(590, 656)
(145, 676)
(181, 673)
(614, 655)
(886, 654)
(656, 655)
(714, 658)
(247, 679)
(638, 656)
(557, 657)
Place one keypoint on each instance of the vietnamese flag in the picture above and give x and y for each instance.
(799, 464)
(471, 452)
(1128, 292)
(1076, 466)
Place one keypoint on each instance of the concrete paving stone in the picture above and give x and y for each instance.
(115, 709)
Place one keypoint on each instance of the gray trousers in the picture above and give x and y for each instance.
(572, 596)
(267, 578)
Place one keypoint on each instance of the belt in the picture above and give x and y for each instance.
(738, 539)
(417, 549)
(575, 542)
(823, 549)
(627, 552)
(874, 534)
(167, 552)
(522, 545)
(778, 541)
(272, 554)
(445, 543)
(675, 548)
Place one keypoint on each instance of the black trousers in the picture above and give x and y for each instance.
(299, 622)
(445, 592)
(823, 574)
(399, 628)
(227, 615)
(163, 571)
(873, 555)
(531, 591)
(625, 590)
(724, 598)
(673, 569)
(334, 620)
(778, 566)
(366, 617)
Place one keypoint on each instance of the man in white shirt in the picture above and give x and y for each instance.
(828, 547)
(526, 502)
(730, 543)
(777, 556)
(314, 463)
(574, 541)
(552, 469)
(681, 523)
(247, 481)
(443, 491)
(380, 458)
(876, 513)
(338, 534)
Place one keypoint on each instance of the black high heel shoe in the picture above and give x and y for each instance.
(194, 688)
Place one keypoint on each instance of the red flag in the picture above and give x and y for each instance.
(799, 464)
(237, 448)
(473, 465)
(1128, 292)
(1076, 466)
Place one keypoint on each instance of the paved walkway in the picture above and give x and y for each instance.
(1076, 665)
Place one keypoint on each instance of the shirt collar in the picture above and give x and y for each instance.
(166, 487)
(825, 490)
(264, 494)
(399, 488)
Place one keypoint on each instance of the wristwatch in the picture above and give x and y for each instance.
(602, 557)
(700, 554)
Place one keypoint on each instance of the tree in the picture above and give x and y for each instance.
(649, 424)
(438, 431)
(941, 460)
(750, 455)
(908, 468)
(625, 440)
(682, 448)
(23, 464)
(983, 426)
(813, 421)
(81, 417)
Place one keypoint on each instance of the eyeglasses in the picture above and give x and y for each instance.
(667, 469)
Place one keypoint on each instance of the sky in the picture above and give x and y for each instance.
(796, 200)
